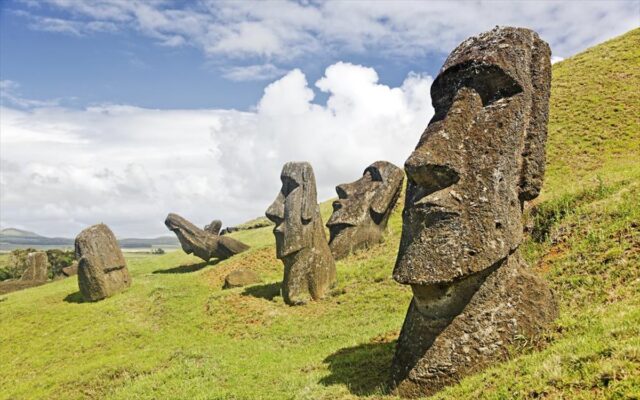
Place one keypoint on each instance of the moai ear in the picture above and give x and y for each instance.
(309, 193)
(533, 155)
(388, 192)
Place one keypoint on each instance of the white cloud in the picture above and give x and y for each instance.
(63, 169)
(282, 31)
(556, 59)
(258, 72)
(10, 93)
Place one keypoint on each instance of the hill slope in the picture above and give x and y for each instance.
(176, 334)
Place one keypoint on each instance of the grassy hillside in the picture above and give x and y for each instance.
(176, 334)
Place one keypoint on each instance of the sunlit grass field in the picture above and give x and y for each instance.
(176, 334)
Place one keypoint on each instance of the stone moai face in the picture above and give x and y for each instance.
(301, 244)
(102, 269)
(479, 159)
(363, 207)
(294, 209)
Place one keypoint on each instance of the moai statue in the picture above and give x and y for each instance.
(363, 208)
(37, 267)
(102, 270)
(309, 268)
(214, 227)
(203, 243)
(479, 159)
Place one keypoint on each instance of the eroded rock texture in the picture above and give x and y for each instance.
(363, 207)
(203, 243)
(309, 268)
(102, 270)
(37, 267)
(479, 159)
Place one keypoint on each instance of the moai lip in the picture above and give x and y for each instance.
(361, 213)
(301, 244)
(479, 159)
(203, 243)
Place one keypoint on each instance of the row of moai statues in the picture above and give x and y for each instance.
(481, 157)
(359, 219)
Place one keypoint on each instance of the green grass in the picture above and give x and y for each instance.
(175, 334)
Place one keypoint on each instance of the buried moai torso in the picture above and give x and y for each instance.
(203, 243)
(37, 267)
(363, 207)
(301, 244)
(102, 270)
(479, 159)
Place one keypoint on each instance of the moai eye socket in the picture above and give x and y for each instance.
(491, 82)
(288, 185)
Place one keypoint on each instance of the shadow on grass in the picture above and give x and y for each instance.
(363, 369)
(74, 298)
(268, 291)
(185, 269)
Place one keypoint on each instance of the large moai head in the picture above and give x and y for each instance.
(294, 209)
(479, 159)
(102, 269)
(363, 207)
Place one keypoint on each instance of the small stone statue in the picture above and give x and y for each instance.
(203, 243)
(309, 268)
(37, 267)
(363, 208)
(480, 158)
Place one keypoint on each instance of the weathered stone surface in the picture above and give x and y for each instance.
(202, 243)
(309, 268)
(480, 158)
(71, 269)
(239, 278)
(102, 270)
(214, 227)
(363, 207)
(37, 267)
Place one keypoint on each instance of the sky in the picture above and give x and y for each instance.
(121, 111)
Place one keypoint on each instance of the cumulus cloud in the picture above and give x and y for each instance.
(285, 30)
(63, 169)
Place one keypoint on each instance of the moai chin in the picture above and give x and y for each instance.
(479, 159)
(361, 213)
(203, 243)
(301, 244)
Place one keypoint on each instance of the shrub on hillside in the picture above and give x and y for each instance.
(59, 259)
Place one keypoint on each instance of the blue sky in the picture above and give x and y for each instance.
(123, 111)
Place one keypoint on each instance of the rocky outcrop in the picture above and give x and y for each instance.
(239, 278)
(102, 269)
(203, 243)
(480, 158)
(71, 270)
(301, 244)
(363, 208)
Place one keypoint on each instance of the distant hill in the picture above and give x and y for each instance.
(12, 238)
(18, 233)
